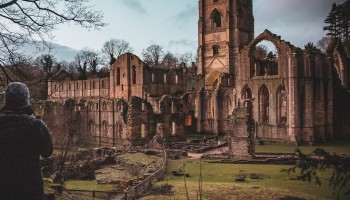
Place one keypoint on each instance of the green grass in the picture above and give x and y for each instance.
(335, 146)
(139, 157)
(89, 186)
(218, 182)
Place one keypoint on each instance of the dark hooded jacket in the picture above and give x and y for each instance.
(23, 139)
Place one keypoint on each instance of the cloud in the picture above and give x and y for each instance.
(182, 43)
(189, 14)
(135, 5)
(297, 21)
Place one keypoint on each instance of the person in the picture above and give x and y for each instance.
(23, 139)
(205, 140)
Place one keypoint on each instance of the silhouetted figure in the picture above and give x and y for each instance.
(205, 140)
(23, 139)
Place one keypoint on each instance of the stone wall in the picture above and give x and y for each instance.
(241, 138)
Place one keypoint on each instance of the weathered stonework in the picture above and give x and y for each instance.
(297, 96)
(241, 138)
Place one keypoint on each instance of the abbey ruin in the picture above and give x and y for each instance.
(297, 96)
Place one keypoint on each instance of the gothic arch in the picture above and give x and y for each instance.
(133, 74)
(91, 128)
(104, 128)
(118, 76)
(216, 19)
(281, 105)
(264, 104)
(246, 93)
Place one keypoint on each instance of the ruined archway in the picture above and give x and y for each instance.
(264, 104)
(264, 59)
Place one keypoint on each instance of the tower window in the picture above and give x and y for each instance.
(215, 50)
(216, 19)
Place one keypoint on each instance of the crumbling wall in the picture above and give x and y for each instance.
(241, 139)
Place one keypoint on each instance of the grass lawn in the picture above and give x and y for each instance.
(218, 182)
(139, 157)
(89, 186)
(335, 146)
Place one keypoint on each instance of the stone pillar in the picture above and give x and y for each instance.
(329, 101)
(199, 111)
(216, 112)
(241, 137)
(293, 103)
(308, 129)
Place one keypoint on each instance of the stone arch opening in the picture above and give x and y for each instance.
(216, 19)
(104, 127)
(143, 131)
(133, 74)
(91, 128)
(264, 104)
(246, 93)
(118, 76)
(264, 59)
(281, 105)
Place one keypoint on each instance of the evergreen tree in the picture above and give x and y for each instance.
(333, 21)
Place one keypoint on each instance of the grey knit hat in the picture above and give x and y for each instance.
(17, 96)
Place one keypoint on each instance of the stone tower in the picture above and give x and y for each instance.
(224, 27)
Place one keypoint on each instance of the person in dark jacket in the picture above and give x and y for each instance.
(23, 139)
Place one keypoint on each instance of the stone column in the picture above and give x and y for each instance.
(216, 111)
(329, 101)
(199, 111)
(293, 103)
(308, 129)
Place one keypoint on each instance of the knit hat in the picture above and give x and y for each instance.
(17, 96)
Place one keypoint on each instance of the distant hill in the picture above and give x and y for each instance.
(60, 52)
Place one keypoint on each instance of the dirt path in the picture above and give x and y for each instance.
(214, 151)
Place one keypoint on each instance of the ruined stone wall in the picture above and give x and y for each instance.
(76, 89)
(241, 138)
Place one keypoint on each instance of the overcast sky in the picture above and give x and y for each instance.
(173, 23)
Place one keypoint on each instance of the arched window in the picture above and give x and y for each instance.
(216, 18)
(264, 104)
(152, 76)
(246, 93)
(188, 120)
(143, 131)
(118, 76)
(133, 74)
(104, 106)
(91, 128)
(173, 128)
(104, 128)
(281, 100)
(215, 50)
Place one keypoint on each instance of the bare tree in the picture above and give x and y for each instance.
(323, 43)
(116, 47)
(153, 55)
(86, 61)
(31, 22)
(188, 58)
(47, 63)
(169, 60)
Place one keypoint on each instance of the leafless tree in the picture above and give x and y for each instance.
(47, 63)
(86, 61)
(116, 47)
(188, 58)
(323, 43)
(169, 60)
(31, 22)
(153, 54)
